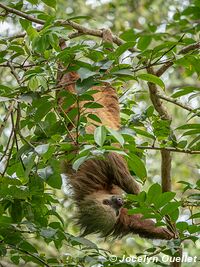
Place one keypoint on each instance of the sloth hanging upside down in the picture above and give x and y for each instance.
(99, 184)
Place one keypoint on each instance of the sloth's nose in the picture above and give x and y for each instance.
(119, 201)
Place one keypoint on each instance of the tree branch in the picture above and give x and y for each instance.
(183, 51)
(178, 103)
(10, 110)
(165, 154)
(80, 29)
(22, 14)
(171, 149)
(162, 111)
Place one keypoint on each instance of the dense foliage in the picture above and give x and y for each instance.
(153, 63)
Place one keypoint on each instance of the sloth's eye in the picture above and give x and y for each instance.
(106, 202)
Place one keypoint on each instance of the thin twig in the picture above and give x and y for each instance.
(10, 109)
(28, 253)
(183, 51)
(9, 154)
(16, 129)
(171, 149)
(178, 103)
(14, 72)
(66, 127)
(22, 14)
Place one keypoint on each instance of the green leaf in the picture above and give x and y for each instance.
(185, 91)
(83, 241)
(169, 208)
(143, 133)
(16, 211)
(116, 135)
(17, 192)
(164, 199)
(77, 163)
(182, 226)
(123, 72)
(27, 247)
(128, 36)
(51, 3)
(45, 173)
(121, 49)
(153, 193)
(195, 216)
(42, 149)
(94, 117)
(33, 83)
(85, 73)
(48, 232)
(137, 165)
(42, 110)
(188, 126)
(152, 79)
(100, 135)
(34, 2)
(144, 42)
(92, 105)
(191, 132)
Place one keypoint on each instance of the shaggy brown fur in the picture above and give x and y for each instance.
(97, 180)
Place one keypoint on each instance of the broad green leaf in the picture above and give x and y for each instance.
(51, 3)
(144, 42)
(153, 193)
(16, 210)
(128, 36)
(33, 83)
(152, 78)
(143, 133)
(124, 72)
(85, 73)
(42, 149)
(195, 140)
(47, 232)
(193, 229)
(181, 226)
(54, 180)
(27, 247)
(188, 126)
(45, 173)
(94, 117)
(77, 163)
(164, 199)
(92, 105)
(195, 216)
(42, 110)
(15, 192)
(116, 135)
(121, 49)
(34, 2)
(83, 241)
(185, 91)
(100, 135)
(170, 208)
(137, 165)
(191, 132)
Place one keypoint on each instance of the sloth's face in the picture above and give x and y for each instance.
(115, 202)
(99, 215)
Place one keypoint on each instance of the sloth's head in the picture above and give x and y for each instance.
(99, 213)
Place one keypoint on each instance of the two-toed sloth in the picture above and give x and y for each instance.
(99, 184)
